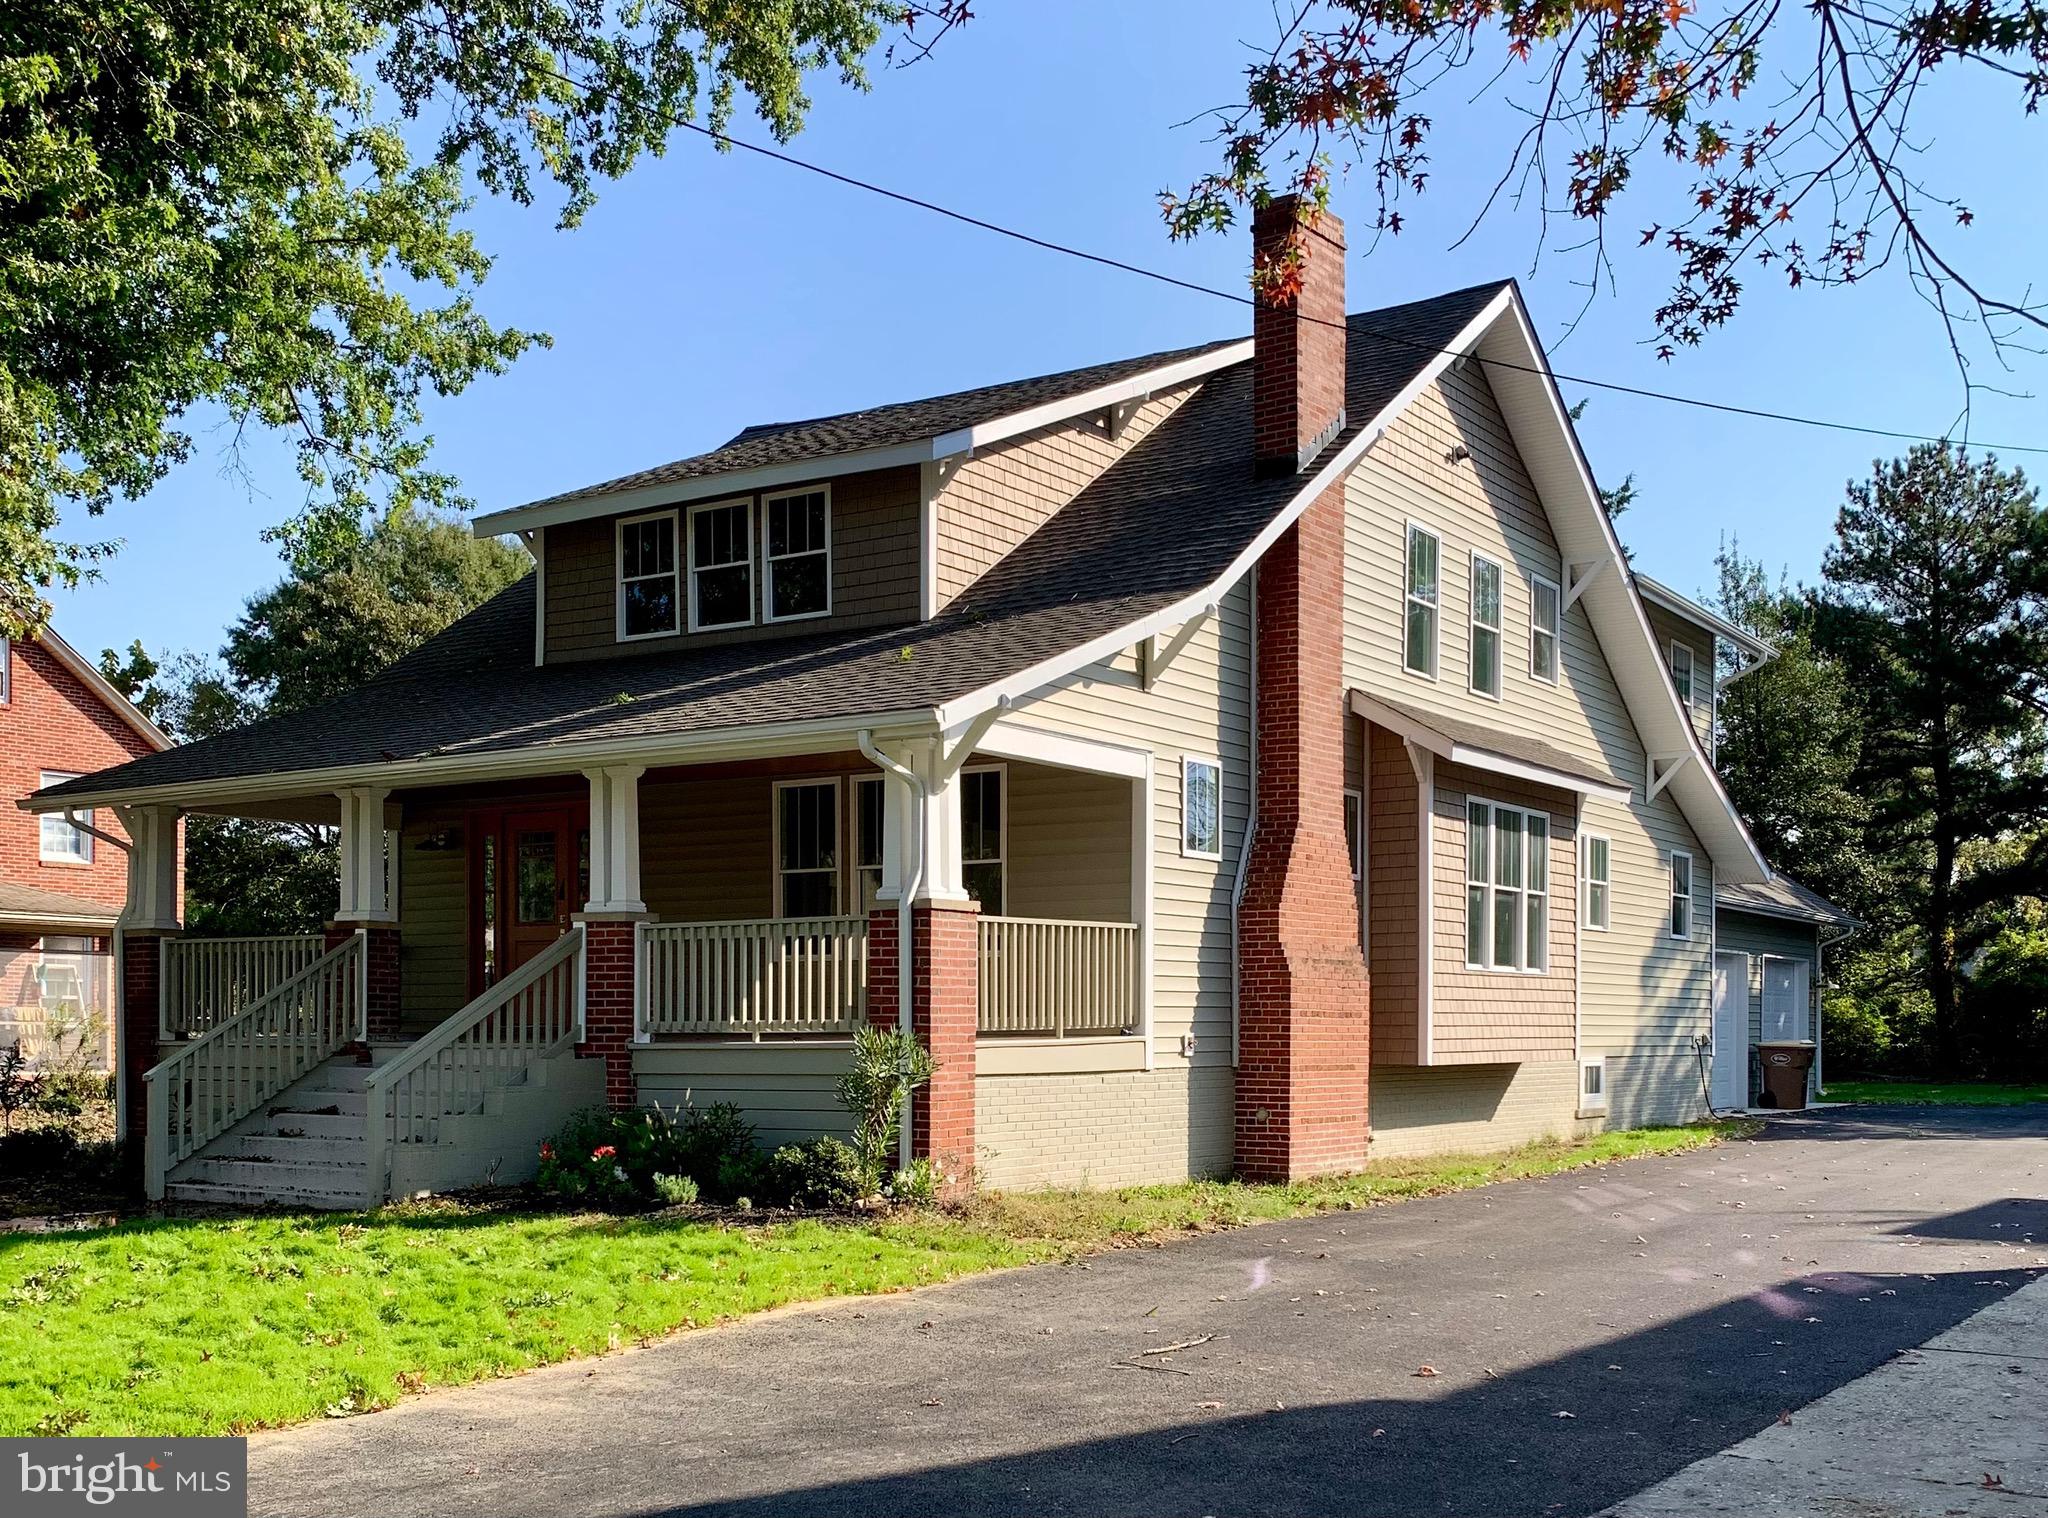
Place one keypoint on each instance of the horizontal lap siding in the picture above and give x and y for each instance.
(1641, 994)
(1744, 933)
(433, 917)
(785, 1090)
(1669, 630)
(1003, 494)
(706, 847)
(1069, 845)
(1392, 871)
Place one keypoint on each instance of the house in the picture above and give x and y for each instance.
(1770, 938)
(63, 880)
(1239, 758)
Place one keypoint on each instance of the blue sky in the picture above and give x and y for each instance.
(712, 290)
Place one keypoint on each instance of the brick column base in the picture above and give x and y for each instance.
(141, 988)
(945, 1009)
(387, 1006)
(608, 998)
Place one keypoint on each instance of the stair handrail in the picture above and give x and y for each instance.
(335, 1023)
(555, 1027)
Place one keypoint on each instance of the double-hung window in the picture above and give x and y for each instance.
(721, 565)
(807, 848)
(1681, 671)
(1425, 550)
(1596, 867)
(61, 842)
(1485, 626)
(1507, 887)
(1545, 619)
(649, 603)
(799, 557)
(1201, 808)
(867, 842)
(1681, 894)
(982, 847)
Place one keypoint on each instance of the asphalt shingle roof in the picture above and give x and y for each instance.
(1167, 520)
(18, 901)
(1783, 897)
(1493, 740)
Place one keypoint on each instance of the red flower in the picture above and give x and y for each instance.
(547, 1151)
(604, 1152)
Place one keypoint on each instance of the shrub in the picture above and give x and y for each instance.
(675, 1190)
(888, 1064)
(820, 1172)
(19, 1086)
(60, 1152)
(613, 1159)
(916, 1183)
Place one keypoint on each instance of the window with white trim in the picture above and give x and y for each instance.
(1596, 866)
(1681, 671)
(1681, 894)
(1425, 550)
(1593, 1083)
(1201, 808)
(1546, 618)
(806, 848)
(868, 822)
(61, 842)
(799, 557)
(984, 836)
(1507, 887)
(649, 594)
(1485, 626)
(721, 565)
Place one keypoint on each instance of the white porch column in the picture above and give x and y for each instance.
(922, 829)
(615, 838)
(366, 870)
(152, 868)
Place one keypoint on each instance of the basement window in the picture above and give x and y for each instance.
(799, 560)
(1592, 1085)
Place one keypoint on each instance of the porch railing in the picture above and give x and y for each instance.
(1051, 979)
(533, 1013)
(755, 979)
(231, 1070)
(206, 981)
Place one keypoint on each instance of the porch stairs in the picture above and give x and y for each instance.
(308, 1146)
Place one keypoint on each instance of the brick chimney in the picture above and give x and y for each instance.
(1298, 342)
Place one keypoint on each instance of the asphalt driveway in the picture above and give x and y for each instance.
(1543, 1347)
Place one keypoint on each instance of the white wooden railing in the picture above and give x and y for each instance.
(756, 979)
(206, 981)
(1052, 979)
(533, 1013)
(231, 1070)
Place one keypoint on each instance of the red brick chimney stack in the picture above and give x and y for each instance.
(1298, 341)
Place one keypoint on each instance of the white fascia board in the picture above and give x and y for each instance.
(89, 676)
(1333, 469)
(758, 740)
(1165, 377)
(1541, 426)
(919, 451)
(1657, 593)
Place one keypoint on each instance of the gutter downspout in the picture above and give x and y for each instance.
(1251, 827)
(907, 888)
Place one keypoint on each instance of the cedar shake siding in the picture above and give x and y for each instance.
(998, 498)
(874, 571)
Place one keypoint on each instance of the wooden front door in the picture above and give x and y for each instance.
(525, 883)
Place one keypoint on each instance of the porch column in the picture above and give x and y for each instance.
(369, 871)
(921, 858)
(610, 922)
(149, 917)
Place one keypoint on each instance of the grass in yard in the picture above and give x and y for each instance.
(223, 1325)
(1935, 1093)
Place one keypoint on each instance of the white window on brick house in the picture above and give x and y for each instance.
(1681, 671)
(1681, 894)
(1596, 871)
(721, 565)
(799, 555)
(1201, 808)
(1546, 619)
(984, 836)
(806, 848)
(61, 842)
(1507, 887)
(1486, 600)
(1419, 636)
(650, 603)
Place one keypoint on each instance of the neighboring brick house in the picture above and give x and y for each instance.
(61, 888)
(1248, 757)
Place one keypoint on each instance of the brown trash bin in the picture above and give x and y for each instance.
(1786, 1066)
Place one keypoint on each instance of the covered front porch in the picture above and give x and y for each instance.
(706, 931)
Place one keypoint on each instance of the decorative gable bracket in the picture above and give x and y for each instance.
(1662, 768)
(1577, 577)
(1118, 416)
(1154, 657)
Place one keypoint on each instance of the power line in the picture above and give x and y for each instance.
(1239, 298)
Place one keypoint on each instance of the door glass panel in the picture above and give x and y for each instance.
(534, 884)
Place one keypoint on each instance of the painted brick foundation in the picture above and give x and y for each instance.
(387, 1007)
(945, 1000)
(608, 956)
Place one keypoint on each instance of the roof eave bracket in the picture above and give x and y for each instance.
(1577, 577)
(1154, 656)
(1662, 768)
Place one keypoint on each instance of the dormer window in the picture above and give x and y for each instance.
(721, 565)
(649, 601)
(799, 559)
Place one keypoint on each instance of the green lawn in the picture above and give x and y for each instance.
(1935, 1093)
(223, 1325)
